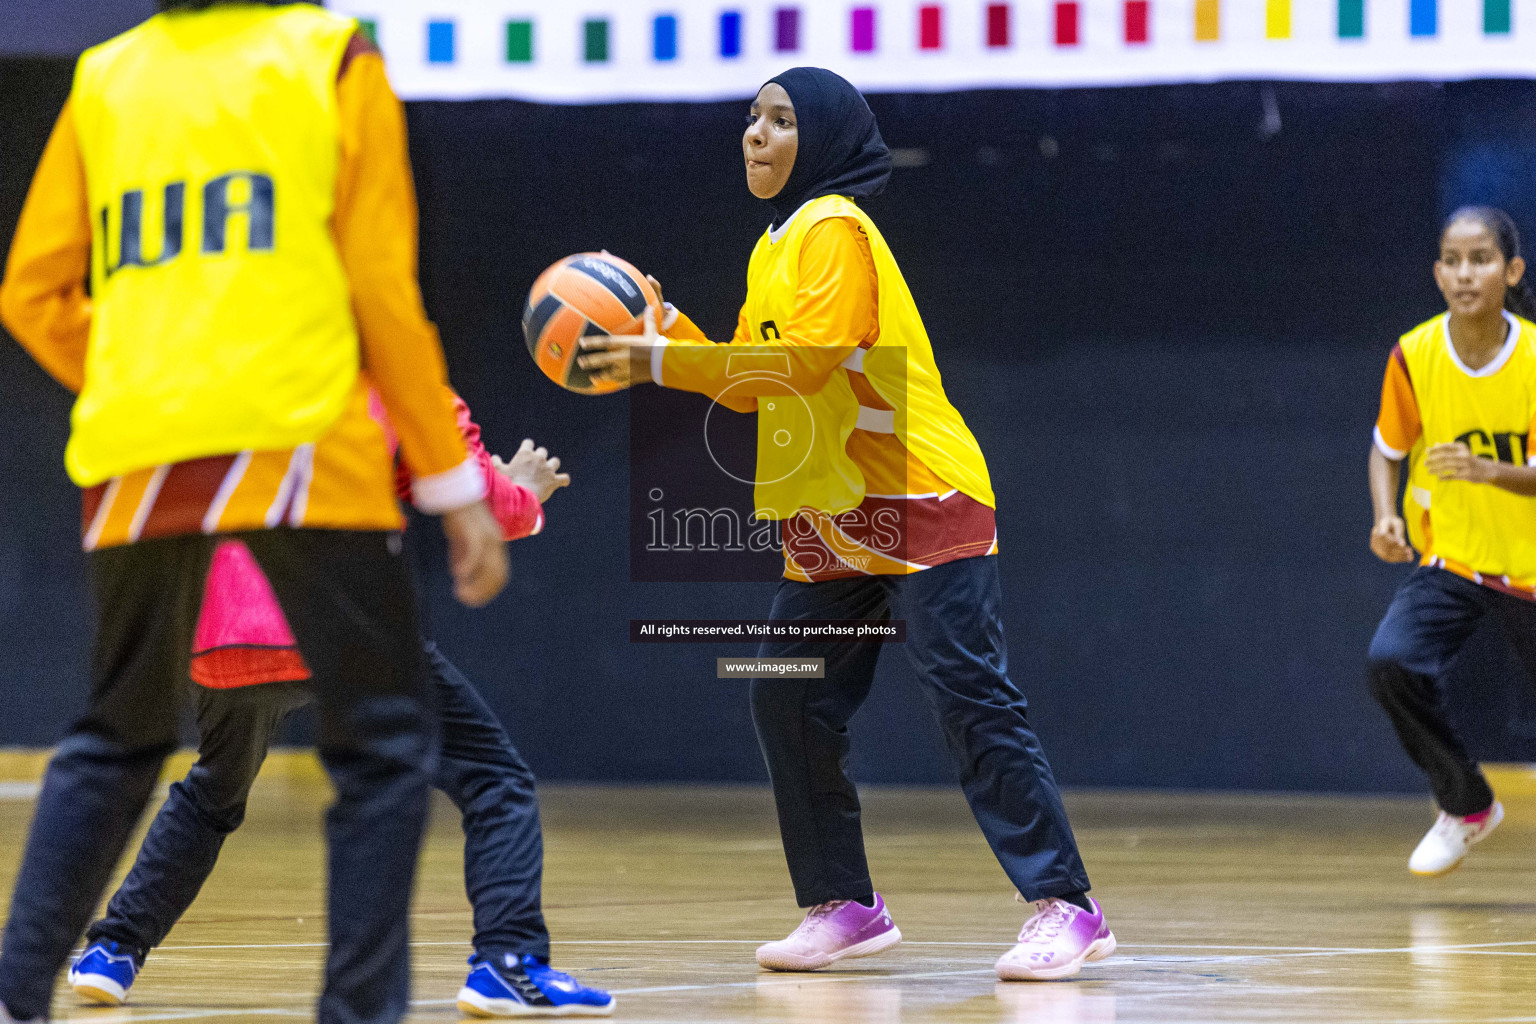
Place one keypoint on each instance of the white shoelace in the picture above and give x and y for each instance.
(1454, 829)
(818, 916)
(1051, 916)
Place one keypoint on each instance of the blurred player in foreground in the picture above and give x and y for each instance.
(250, 676)
(233, 178)
(1464, 386)
(889, 510)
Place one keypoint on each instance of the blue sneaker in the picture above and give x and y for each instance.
(104, 973)
(527, 987)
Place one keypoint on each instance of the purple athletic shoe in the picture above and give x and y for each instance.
(831, 932)
(1056, 942)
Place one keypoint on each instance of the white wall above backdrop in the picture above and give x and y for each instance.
(590, 51)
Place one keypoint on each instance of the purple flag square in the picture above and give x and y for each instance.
(786, 36)
(863, 29)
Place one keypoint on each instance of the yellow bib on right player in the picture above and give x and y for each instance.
(1482, 527)
(817, 473)
(222, 318)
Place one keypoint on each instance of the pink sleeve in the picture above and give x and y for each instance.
(515, 507)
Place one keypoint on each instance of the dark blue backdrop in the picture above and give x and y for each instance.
(1164, 314)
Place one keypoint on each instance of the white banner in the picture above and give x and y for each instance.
(597, 51)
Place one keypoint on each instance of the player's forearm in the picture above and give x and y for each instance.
(516, 508)
(1384, 475)
(405, 363)
(1519, 480)
(676, 325)
(52, 326)
(376, 237)
(748, 371)
(43, 302)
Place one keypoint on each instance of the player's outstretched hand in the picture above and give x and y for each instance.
(534, 469)
(622, 359)
(1389, 540)
(477, 556)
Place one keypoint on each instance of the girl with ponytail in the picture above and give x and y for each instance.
(1518, 297)
(1463, 387)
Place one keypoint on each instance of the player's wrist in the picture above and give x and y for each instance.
(451, 490)
(528, 484)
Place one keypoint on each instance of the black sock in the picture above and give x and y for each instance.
(865, 901)
(1078, 899)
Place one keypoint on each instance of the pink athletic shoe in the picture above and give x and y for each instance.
(832, 932)
(1056, 942)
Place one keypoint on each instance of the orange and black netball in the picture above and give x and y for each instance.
(589, 293)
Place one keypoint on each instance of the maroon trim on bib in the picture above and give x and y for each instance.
(358, 45)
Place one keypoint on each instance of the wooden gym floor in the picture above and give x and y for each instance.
(1228, 908)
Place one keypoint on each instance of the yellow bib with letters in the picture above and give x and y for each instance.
(222, 318)
(817, 473)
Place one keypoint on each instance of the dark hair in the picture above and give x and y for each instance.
(203, 5)
(1518, 299)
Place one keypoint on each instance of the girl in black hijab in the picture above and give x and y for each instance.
(840, 149)
(887, 511)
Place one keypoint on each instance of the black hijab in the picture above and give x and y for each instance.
(841, 152)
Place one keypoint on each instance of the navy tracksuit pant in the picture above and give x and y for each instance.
(478, 769)
(955, 645)
(1430, 618)
(350, 603)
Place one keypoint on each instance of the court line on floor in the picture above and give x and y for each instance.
(1000, 943)
(997, 943)
(757, 981)
(1294, 951)
(815, 979)
(1469, 947)
(274, 1011)
(267, 1011)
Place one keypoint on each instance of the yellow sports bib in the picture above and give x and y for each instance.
(900, 367)
(1483, 527)
(222, 317)
(1417, 499)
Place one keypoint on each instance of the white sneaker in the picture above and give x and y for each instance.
(1448, 841)
(831, 932)
(1056, 942)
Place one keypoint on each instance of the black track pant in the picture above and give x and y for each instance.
(955, 645)
(478, 768)
(350, 603)
(1428, 622)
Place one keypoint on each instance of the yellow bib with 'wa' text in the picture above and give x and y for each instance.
(222, 318)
